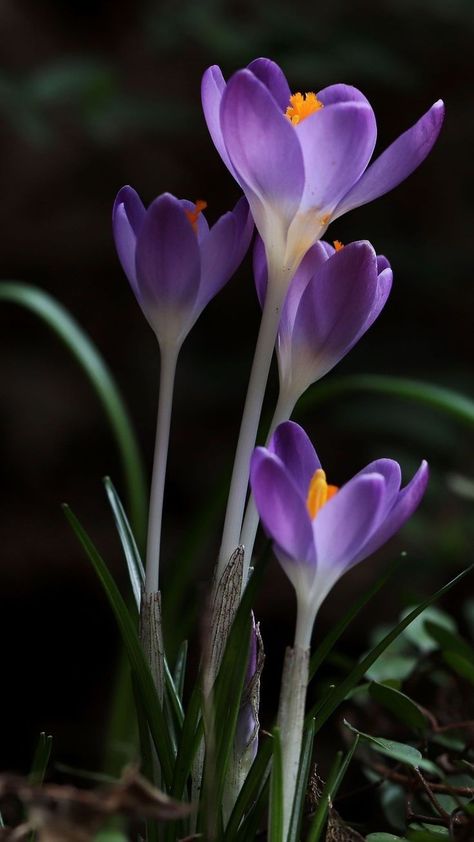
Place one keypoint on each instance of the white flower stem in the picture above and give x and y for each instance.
(292, 707)
(169, 358)
(250, 419)
(283, 410)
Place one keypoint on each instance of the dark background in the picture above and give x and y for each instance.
(94, 95)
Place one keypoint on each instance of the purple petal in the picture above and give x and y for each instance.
(337, 143)
(127, 217)
(397, 162)
(332, 313)
(313, 259)
(273, 78)
(167, 257)
(390, 471)
(202, 224)
(291, 444)
(212, 88)
(405, 504)
(281, 507)
(223, 250)
(262, 145)
(382, 263)
(341, 93)
(342, 526)
(383, 291)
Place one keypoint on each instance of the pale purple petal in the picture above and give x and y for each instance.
(390, 471)
(281, 507)
(212, 88)
(127, 217)
(313, 259)
(273, 78)
(383, 291)
(341, 93)
(403, 507)
(337, 143)
(397, 162)
(260, 269)
(342, 525)
(291, 444)
(167, 257)
(262, 145)
(222, 250)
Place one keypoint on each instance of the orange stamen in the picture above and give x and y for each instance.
(193, 215)
(301, 106)
(319, 493)
(338, 245)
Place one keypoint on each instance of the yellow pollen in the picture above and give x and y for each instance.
(193, 215)
(338, 245)
(325, 219)
(319, 493)
(301, 106)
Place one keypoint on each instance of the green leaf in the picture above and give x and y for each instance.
(135, 567)
(335, 778)
(127, 626)
(180, 668)
(326, 645)
(450, 641)
(40, 758)
(340, 691)
(384, 837)
(301, 784)
(276, 791)
(191, 734)
(249, 827)
(460, 665)
(399, 704)
(86, 354)
(451, 403)
(111, 836)
(427, 833)
(417, 632)
(254, 782)
(400, 752)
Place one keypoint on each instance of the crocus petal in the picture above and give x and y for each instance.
(337, 143)
(273, 78)
(212, 88)
(262, 145)
(341, 93)
(127, 217)
(281, 506)
(390, 471)
(405, 504)
(291, 444)
(397, 162)
(167, 258)
(383, 291)
(342, 525)
(313, 259)
(222, 250)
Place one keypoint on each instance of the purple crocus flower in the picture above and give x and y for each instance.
(303, 161)
(175, 263)
(320, 531)
(334, 297)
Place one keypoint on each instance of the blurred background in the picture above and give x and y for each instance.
(94, 95)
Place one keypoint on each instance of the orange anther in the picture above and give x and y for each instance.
(301, 106)
(193, 215)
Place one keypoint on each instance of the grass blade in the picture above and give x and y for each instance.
(86, 354)
(301, 784)
(128, 629)
(329, 792)
(40, 758)
(180, 668)
(326, 645)
(340, 691)
(136, 571)
(276, 791)
(249, 794)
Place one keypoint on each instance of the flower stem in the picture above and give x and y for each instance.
(283, 410)
(249, 425)
(169, 358)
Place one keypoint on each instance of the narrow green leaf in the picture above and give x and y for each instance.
(384, 837)
(248, 795)
(187, 745)
(321, 811)
(249, 827)
(180, 668)
(135, 567)
(301, 784)
(406, 710)
(40, 758)
(276, 790)
(86, 354)
(128, 629)
(445, 400)
(336, 632)
(340, 691)
(173, 698)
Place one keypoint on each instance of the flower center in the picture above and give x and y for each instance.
(338, 245)
(193, 215)
(319, 493)
(301, 106)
